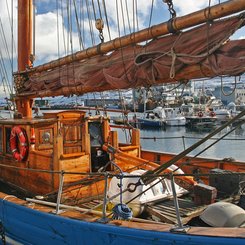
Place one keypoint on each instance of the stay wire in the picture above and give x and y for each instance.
(4, 72)
(124, 27)
(63, 27)
(129, 25)
(13, 46)
(78, 26)
(99, 8)
(57, 26)
(90, 23)
(136, 13)
(4, 41)
(106, 17)
(121, 49)
(94, 11)
(150, 20)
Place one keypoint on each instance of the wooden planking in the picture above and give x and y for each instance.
(85, 190)
(41, 159)
(165, 211)
(75, 164)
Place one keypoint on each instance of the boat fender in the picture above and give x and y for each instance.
(200, 114)
(18, 143)
(33, 137)
(223, 214)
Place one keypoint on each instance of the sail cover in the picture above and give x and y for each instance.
(204, 51)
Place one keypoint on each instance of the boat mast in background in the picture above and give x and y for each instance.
(25, 16)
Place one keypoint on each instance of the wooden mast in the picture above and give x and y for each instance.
(190, 20)
(25, 14)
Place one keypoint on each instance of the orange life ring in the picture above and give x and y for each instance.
(200, 114)
(212, 114)
(18, 143)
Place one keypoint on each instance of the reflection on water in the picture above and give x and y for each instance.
(176, 139)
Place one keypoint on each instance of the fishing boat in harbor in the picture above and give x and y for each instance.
(69, 180)
(152, 118)
(161, 117)
(201, 121)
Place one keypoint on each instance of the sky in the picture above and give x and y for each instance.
(48, 20)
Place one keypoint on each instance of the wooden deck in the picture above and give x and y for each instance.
(165, 211)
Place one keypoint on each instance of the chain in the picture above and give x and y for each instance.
(2, 234)
(101, 36)
(170, 8)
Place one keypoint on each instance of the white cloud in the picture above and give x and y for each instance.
(46, 23)
(6, 28)
(186, 7)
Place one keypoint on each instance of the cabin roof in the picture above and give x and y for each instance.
(26, 121)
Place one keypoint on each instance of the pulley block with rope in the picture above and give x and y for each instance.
(99, 24)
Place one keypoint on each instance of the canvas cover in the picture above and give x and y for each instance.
(204, 51)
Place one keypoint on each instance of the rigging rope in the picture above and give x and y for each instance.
(57, 26)
(78, 26)
(4, 41)
(90, 22)
(222, 87)
(124, 27)
(4, 74)
(106, 17)
(126, 6)
(13, 46)
(136, 14)
(63, 28)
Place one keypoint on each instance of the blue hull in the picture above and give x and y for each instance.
(30, 226)
(150, 123)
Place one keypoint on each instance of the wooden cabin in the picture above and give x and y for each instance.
(67, 141)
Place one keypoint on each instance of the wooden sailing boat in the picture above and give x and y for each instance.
(71, 158)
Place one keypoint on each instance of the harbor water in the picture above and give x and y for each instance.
(177, 139)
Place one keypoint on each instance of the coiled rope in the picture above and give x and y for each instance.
(122, 212)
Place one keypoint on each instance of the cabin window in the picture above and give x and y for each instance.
(46, 138)
(7, 140)
(95, 131)
(1, 139)
(99, 158)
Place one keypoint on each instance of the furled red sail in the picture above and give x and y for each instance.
(204, 51)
